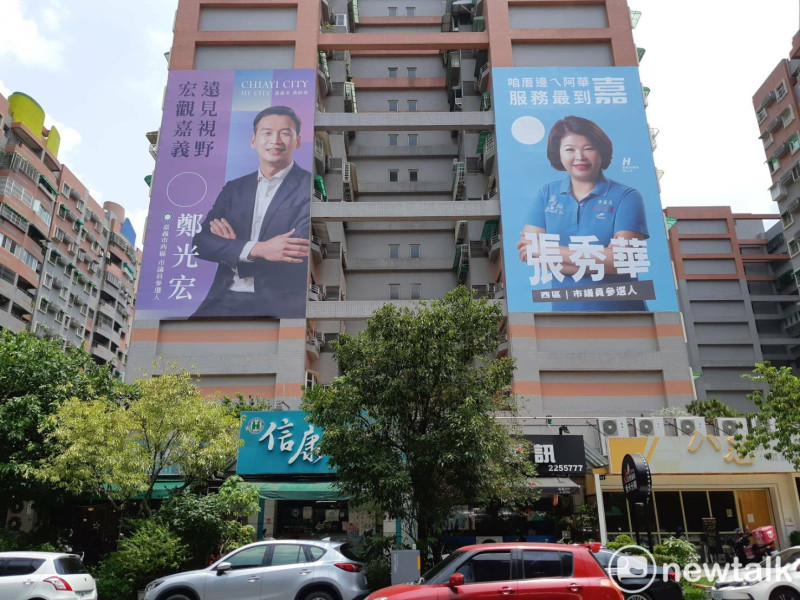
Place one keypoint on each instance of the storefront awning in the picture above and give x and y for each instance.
(555, 485)
(300, 490)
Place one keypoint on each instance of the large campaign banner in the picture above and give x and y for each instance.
(229, 221)
(581, 214)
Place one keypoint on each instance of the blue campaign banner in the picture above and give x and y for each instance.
(583, 228)
(280, 443)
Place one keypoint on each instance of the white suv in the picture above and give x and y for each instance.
(44, 576)
(271, 570)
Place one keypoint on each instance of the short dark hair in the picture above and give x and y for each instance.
(578, 126)
(277, 110)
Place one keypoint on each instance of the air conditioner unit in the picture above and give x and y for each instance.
(769, 424)
(649, 427)
(688, 425)
(611, 427)
(21, 516)
(730, 426)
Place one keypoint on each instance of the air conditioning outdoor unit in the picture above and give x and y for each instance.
(611, 427)
(769, 424)
(730, 426)
(688, 425)
(649, 427)
(21, 516)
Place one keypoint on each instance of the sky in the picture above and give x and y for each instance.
(98, 70)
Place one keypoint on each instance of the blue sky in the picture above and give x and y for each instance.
(98, 70)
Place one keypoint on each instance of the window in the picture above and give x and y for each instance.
(410, 11)
(413, 175)
(21, 566)
(392, 72)
(48, 281)
(413, 138)
(787, 115)
(787, 219)
(392, 105)
(394, 250)
(416, 291)
(774, 164)
(780, 91)
(413, 250)
(393, 175)
(248, 558)
(762, 114)
(394, 291)
(393, 139)
(486, 567)
(412, 106)
(392, 11)
(767, 140)
(341, 19)
(546, 563)
(794, 143)
(287, 554)
(412, 72)
(316, 552)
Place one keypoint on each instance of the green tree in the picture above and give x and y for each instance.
(36, 377)
(410, 424)
(775, 429)
(710, 409)
(117, 449)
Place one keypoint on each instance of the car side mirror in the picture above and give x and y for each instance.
(222, 568)
(455, 580)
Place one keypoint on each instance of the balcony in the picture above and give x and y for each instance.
(349, 181)
(497, 291)
(103, 352)
(106, 309)
(320, 156)
(445, 210)
(316, 293)
(350, 103)
(323, 75)
(314, 344)
(461, 262)
(459, 185)
(487, 150)
(483, 77)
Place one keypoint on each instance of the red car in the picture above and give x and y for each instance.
(519, 570)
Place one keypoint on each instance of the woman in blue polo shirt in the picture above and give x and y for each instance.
(585, 203)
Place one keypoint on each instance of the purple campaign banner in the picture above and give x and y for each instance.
(205, 146)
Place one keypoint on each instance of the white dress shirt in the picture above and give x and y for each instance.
(267, 188)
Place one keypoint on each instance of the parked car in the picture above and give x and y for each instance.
(768, 583)
(637, 578)
(520, 570)
(271, 570)
(44, 576)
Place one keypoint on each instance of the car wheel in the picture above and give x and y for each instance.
(319, 595)
(178, 596)
(637, 596)
(784, 593)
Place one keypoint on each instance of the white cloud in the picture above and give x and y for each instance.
(4, 90)
(23, 40)
(54, 14)
(70, 137)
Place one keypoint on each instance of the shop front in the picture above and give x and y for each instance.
(702, 491)
(560, 466)
(298, 497)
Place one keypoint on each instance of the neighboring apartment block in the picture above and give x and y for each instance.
(406, 200)
(735, 286)
(68, 266)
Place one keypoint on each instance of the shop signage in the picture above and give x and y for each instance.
(279, 442)
(558, 454)
(636, 482)
(697, 453)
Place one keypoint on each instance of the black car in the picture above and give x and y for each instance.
(638, 578)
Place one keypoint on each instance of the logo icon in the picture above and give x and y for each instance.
(632, 573)
(256, 425)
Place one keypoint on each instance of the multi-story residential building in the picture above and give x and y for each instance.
(67, 268)
(735, 283)
(777, 108)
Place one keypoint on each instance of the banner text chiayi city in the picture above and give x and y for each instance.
(230, 196)
(581, 214)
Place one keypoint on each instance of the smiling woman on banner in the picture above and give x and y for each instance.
(582, 214)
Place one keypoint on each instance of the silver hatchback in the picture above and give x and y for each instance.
(271, 570)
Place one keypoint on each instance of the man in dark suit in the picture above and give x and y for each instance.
(258, 229)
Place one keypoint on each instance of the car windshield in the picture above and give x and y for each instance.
(69, 565)
(429, 576)
(785, 557)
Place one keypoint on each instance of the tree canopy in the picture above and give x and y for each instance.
(36, 377)
(118, 449)
(774, 429)
(410, 423)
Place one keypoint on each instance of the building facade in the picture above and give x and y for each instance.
(735, 286)
(68, 265)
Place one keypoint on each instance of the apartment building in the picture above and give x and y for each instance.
(406, 201)
(68, 265)
(735, 284)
